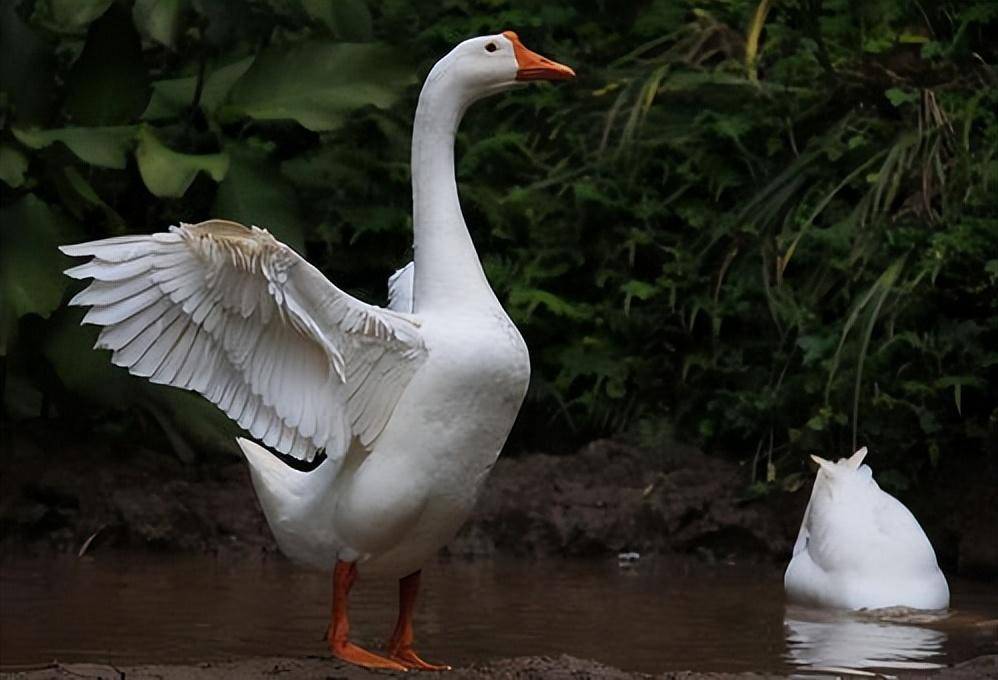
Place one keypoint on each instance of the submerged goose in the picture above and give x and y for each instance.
(861, 548)
(410, 404)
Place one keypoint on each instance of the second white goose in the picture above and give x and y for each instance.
(861, 548)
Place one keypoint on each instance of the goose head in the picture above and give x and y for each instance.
(489, 64)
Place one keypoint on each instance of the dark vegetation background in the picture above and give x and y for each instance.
(764, 228)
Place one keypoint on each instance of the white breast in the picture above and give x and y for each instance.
(427, 469)
(475, 380)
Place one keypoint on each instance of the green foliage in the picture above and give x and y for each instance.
(130, 116)
(159, 20)
(104, 147)
(30, 264)
(13, 166)
(167, 173)
(330, 80)
(770, 226)
(253, 192)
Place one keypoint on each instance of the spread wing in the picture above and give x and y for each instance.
(234, 314)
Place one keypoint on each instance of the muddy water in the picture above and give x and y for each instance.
(659, 616)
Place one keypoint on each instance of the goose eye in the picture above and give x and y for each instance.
(491, 47)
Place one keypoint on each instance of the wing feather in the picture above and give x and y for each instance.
(103, 293)
(232, 313)
(400, 289)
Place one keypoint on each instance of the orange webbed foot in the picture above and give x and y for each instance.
(410, 659)
(358, 656)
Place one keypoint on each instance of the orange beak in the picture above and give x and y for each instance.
(532, 66)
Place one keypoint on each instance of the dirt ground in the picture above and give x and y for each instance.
(532, 668)
(608, 498)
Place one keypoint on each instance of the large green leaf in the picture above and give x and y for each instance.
(108, 83)
(159, 19)
(106, 147)
(68, 16)
(13, 165)
(348, 20)
(169, 173)
(255, 193)
(318, 83)
(31, 280)
(88, 373)
(27, 69)
(171, 97)
(81, 199)
(325, 167)
(245, 22)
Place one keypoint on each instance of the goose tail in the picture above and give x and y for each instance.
(297, 505)
(276, 484)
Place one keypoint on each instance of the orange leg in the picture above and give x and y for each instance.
(344, 575)
(400, 646)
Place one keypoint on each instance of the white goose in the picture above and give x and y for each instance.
(411, 404)
(861, 548)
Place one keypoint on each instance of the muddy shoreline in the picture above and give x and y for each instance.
(608, 498)
(540, 668)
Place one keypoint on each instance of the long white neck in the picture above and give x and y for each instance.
(448, 272)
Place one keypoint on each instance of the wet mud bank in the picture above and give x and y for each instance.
(534, 668)
(607, 499)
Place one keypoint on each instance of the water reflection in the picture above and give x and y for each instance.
(823, 640)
